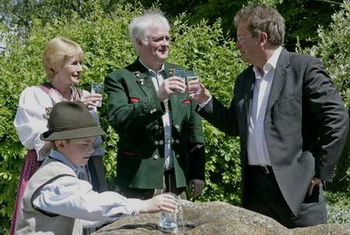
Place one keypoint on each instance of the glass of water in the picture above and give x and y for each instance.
(97, 88)
(169, 221)
(193, 82)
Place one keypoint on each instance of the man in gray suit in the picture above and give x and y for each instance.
(291, 121)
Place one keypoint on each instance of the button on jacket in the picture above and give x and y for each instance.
(136, 115)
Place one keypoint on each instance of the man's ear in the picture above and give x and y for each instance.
(263, 38)
(138, 42)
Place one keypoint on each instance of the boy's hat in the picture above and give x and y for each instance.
(71, 120)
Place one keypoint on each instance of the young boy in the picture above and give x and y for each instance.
(56, 201)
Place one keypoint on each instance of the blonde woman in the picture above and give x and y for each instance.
(62, 62)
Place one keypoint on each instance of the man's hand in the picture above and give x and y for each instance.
(195, 187)
(171, 86)
(202, 96)
(314, 182)
(162, 202)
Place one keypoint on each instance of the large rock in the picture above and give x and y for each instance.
(216, 218)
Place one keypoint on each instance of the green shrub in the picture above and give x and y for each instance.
(334, 49)
(104, 38)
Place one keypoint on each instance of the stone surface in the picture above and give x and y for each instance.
(216, 218)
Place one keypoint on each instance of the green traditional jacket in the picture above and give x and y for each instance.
(136, 115)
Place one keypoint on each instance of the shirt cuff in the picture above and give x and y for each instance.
(202, 105)
(134, 206)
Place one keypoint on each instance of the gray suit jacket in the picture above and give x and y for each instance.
(305, 124)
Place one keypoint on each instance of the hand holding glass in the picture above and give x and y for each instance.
(168, 221)
(193, 82)
(179, 72)
(97, 88)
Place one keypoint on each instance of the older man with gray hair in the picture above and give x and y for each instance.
(161, 144)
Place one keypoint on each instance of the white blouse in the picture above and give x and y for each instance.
(30, 122)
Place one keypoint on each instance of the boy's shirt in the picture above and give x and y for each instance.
(60, 157)
(73, 197)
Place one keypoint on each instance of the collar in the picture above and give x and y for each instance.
(270, 64)
(151, 70)
(60, 157)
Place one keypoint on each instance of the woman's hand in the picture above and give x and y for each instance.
(90, 100)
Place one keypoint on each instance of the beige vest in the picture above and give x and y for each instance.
(34, 221)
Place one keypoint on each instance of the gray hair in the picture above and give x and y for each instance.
(262, 18)
(139, 27)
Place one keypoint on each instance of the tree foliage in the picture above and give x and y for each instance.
(334, 47)
(201, 44)
(302, 16)
(104, 38)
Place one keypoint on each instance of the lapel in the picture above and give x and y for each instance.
(242, 100)
(249, 80)
(167, 68)
(142, 77)
(244, 93)
(144, 81)
(279, 79)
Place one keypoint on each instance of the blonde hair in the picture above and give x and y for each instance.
(57, 52)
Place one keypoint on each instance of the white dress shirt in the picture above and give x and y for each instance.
(72, 197)
(158, 79)
(257, 149)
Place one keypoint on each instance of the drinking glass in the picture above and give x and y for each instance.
(193, 82)
(97, 88)
(181, 73)
(168, 221)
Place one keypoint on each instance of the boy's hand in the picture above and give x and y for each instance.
(163, 202)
